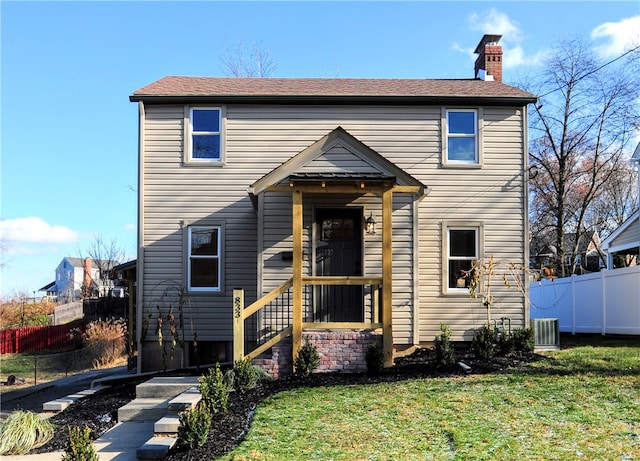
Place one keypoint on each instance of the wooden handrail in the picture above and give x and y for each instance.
(264, 347)
(241, 314)
(341, 280)
(266, 299)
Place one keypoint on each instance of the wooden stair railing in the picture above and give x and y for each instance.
(240, 314)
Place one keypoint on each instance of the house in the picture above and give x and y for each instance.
(588, 256)
(623, 245)
(272, 211)
(75, 279)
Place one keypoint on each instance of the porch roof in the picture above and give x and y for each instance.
(371, 170)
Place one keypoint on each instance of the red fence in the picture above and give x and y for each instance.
(35, 339)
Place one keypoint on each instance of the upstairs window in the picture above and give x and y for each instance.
(205, 135)
(462, 136)
(204, 259)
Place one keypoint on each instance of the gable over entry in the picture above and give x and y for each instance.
(336, 166)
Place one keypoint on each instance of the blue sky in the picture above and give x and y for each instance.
(69, 133)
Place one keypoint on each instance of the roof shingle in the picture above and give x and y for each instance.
(221, 88)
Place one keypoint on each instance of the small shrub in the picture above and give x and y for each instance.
(245, 375)
(307, 359)
(79, 445)
(214, 390)
(194, 426)
(505, 344)
(374, 359)
(23, 431)
(523, 340)
(444, 350)
(484, 341)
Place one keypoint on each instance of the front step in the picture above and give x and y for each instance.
(144, 409)
(164, 386)
(169, 424)
(155, 448)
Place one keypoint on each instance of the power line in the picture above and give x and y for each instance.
(594, 70)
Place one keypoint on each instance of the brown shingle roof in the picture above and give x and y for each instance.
(232, 89)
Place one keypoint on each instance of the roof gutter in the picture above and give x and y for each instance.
(337, 100)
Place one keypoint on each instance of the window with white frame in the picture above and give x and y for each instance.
(462, 253)
(205, 143)
(462, 136)
(204, 258)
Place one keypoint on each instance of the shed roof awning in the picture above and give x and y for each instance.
(338, 159)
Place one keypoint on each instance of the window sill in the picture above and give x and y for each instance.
(203, 163)
(462, 165)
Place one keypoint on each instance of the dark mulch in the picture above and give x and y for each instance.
(100, 410)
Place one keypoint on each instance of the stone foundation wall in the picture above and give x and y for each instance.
(339, 351)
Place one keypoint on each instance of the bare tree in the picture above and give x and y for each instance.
(247, 59)
(104, 255)
(581, 130)
(616, 202)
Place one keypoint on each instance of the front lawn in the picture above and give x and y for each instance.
(581, 404)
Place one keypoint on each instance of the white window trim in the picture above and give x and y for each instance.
(220, 259)
(188, 131)
(479, 115)
(459, 225)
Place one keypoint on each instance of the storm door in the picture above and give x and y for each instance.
(338, 251)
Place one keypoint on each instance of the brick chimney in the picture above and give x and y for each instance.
(86, 279)
(489, 58)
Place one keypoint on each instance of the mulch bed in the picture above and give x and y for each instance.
(99, 411)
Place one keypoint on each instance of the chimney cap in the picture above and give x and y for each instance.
(487, 39)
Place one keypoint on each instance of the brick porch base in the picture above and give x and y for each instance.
(342, 351)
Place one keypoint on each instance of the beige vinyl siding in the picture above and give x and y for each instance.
(260, 138)
(630, 236)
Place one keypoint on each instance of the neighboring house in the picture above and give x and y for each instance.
(76, 278)
(623, 245)
(589, 256)
(352, 203)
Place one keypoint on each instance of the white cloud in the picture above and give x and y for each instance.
(495, 22)
(620, 36)
(34, 230)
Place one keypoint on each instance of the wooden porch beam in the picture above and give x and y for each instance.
(341, 280)
(387, 278)
(346, 189)
(296, 336)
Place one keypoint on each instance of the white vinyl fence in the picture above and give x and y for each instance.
(606, 302)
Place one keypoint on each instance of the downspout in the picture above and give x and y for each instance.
(416, 264)
(525, 198)
(140, 249)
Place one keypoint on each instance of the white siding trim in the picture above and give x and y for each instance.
(140, 255)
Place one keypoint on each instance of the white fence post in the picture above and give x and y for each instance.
(603, 280)
(573, 304)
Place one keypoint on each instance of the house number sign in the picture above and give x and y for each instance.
(237, 307)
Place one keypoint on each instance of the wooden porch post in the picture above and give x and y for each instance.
(387, 278)
(296, 335)
(238, 324)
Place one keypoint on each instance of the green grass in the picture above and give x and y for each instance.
(581, 404)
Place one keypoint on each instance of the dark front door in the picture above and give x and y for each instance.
(338, 252)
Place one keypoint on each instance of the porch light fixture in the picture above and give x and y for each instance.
(371, 224)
